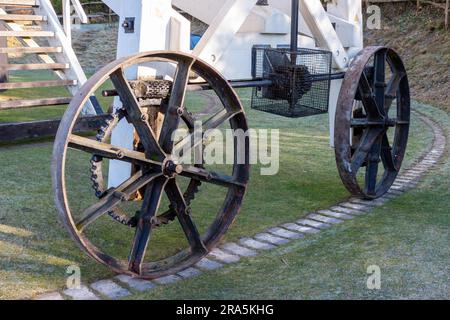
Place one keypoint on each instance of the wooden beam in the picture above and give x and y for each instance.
(37, 84)
(35, 66)
(29, 50)
(22, 17)
(18, 3)
(28, 34)
(17, 104)
(38, 129)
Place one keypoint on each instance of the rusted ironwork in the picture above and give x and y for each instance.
(364, 117)
(156, 173)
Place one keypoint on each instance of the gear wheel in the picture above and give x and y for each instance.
(98, 183)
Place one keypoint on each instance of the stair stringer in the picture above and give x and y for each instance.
(75, 72)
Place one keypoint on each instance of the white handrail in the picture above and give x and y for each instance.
(67, 15)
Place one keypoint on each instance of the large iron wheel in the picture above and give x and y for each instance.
(368, 131)
(157, 172)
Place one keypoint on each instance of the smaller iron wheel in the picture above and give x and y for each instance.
(368, 130)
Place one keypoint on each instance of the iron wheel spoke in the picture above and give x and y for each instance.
(391, 90)
(386, 154)
(109, 151)
(150, 205)
(380, 81)
(189, 120)
(368, 140)
(211, 177)
(113, 197)
(176, 102)
(368, 100)
(183, 213)
(192, 141)
(135, 116)
(372, 167)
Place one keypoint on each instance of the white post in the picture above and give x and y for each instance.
(157, 26)
(67, 19)
(350, 11)
(67, 16)
(69, 56)
(223, 29)
(80, 11)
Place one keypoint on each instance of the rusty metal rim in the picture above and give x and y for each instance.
(232, 202)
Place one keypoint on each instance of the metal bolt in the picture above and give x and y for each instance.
(144, 117)
(120, 154)
(178, 168)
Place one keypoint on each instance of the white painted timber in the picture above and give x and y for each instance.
(347, 15)
(75, 72)
(222, 30)
(318, 21)
(157, 27)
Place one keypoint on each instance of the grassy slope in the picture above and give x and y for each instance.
(408, 238)
(35, 250)
(421, 40)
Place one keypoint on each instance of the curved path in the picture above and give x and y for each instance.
(122, 286)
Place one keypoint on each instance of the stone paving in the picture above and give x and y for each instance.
(122, 285)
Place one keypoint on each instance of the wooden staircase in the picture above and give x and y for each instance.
(32, 23)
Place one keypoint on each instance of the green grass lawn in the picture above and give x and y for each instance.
(408, 239)
(35, 250)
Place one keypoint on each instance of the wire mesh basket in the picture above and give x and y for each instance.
(299, 81)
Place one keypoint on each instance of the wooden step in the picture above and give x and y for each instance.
(26, 3)
(30, 50)
(37, 84)
(28, 34)
(22, 17)
(34, 66)
(18, 104)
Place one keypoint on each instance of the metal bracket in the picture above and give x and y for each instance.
(128, 24)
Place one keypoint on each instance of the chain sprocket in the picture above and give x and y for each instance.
(98, 183)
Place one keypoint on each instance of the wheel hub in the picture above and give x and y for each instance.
(171, 169)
